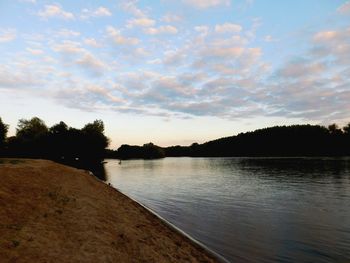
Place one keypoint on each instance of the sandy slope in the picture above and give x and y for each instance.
(54, 213)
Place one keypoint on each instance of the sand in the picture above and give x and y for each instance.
(54, 213)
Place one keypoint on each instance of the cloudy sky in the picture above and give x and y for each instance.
(175, 71)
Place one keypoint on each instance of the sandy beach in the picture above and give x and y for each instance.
(54, 213)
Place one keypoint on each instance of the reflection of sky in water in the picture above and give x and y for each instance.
(257, 210)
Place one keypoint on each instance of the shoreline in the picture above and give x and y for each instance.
(195, 242)
(51, 211)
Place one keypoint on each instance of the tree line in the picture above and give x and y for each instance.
(294, 140)
(34, 139)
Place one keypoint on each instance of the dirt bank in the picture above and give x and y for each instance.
(53, 213)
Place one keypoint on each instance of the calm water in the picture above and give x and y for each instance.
(249, 209)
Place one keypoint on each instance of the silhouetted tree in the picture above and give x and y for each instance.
(346, 129)
(294, 140)
(31, 137)
(82, 148)
(96, 127)
(147, 151)
(151, 151)
(60, 128)
(3, 132)
(334, 129)
(31, 129)
(177, 151)
(95, 140)
(58, 143)
(130, 152)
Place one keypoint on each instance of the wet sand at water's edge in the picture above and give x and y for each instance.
(54, 213)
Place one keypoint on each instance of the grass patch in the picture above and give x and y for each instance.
(16, 161)
(11, 161)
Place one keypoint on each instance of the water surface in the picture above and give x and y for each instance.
(249, 209)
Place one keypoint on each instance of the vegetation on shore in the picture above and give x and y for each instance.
(35, 140)
(295, 140)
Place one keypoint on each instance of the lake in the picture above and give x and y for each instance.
(249, 209)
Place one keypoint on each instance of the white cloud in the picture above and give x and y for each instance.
(119, 39)
(97, 89)
(209, 70)
(269, 38)
(35, 51)
(256, 23)
(141, 52)
(91, 42)
(161, 30)
(203, 30)
(49, 60)
(91, 63)
(67, 33)
(334, 36)
(302, 69)
(16, 78)
(224, 52)
(55, 10)
(68, 47)
(141, 22)
(316, 87)
(99, 12)
(75, 54)
(102, 11)
(171, 85)
(325, 35)
(7, 35)
(156, 61)
(170, 18)
(207, 3)
(174, 57)
(28, 1)
(344, 8)
(130, 6)
(334, 43)
(228, 28)
(235, 40)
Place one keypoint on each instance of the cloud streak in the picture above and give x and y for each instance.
(7, 35)
(98, 12)
(202, 4)
(344, 8)
(119, 39)
(55, 11)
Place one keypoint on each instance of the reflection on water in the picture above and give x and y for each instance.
(249, 209)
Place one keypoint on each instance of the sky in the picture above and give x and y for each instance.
(175, 71)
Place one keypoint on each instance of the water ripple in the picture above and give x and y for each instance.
(249, 209)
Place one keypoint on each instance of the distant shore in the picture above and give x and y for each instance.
(55, 213)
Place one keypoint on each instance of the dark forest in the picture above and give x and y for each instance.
(62, 143)
(295, 140)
